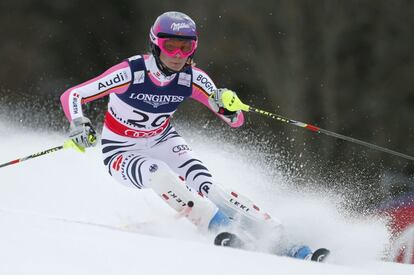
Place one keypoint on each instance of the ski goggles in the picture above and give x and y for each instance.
(173, 46)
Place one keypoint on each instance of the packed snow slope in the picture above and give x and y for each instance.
(63, 214)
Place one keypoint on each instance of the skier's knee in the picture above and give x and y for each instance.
(134, 170)
(160, 173)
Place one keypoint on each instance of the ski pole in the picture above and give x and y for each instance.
(68, 144)
(235, 104)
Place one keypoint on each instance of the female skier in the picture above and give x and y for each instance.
(141, 149)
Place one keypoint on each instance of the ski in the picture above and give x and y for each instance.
(232, 240)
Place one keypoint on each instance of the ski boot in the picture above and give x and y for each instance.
(319, 255)
(228, 239)
(305, 253)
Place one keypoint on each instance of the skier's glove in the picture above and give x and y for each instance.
(222, 102)
(82, 132)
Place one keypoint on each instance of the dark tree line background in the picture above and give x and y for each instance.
(343, 65)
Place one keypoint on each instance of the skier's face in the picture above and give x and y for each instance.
(175, 63)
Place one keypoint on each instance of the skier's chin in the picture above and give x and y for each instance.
(173, 63)
(175, 66)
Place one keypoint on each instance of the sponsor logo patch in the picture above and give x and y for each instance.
(176, 198)
(178, 26)
(179, 148)
(75, 103)
(153, 167)
(118, 78)
(139, 77)
(184, 79)
(205, 187)
(156, 100)
(239, 205)
(205, 83)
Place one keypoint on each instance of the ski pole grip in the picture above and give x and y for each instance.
(232, 102)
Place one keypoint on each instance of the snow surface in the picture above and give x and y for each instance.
(63, 214)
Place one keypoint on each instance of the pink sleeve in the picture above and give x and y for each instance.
(114, 80)
(200, 95)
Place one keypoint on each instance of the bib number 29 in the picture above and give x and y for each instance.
(144, 120)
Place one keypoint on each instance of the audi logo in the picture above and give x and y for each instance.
(140, 134)
(179, 148)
